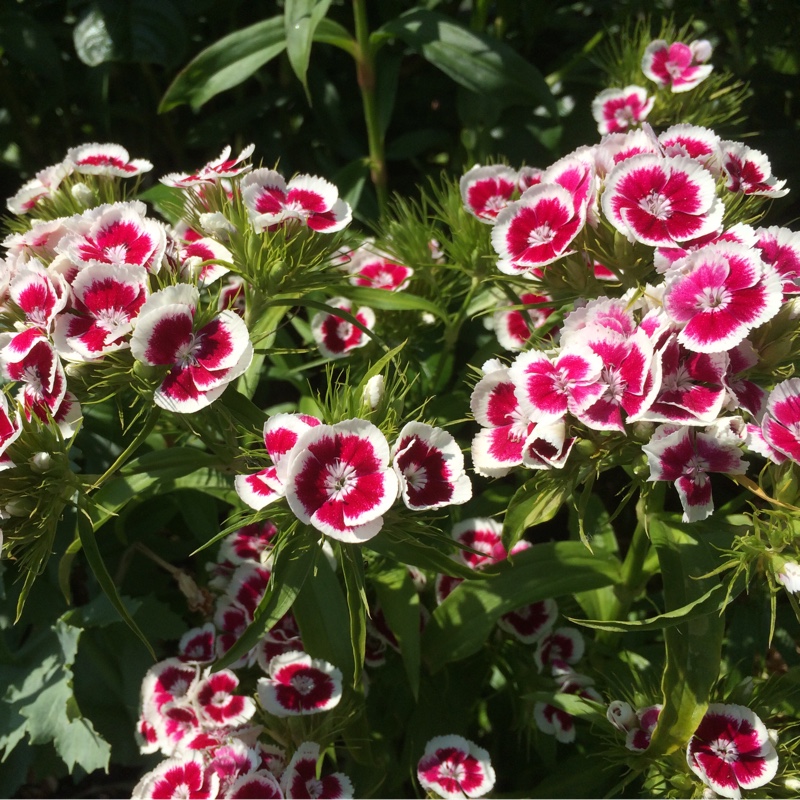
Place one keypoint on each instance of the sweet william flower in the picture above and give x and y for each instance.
(221, 167)
(202, 362)
(178, 777)
(780, 425)
(731, 750)
(749, 171)
(789, 576)
(299, 685)
(659, 201)
(487, 190)
(336, 336)
(616, 110)
(677, 66)
(299, 779)
(111, 160)
(455, 767)
(340, 480)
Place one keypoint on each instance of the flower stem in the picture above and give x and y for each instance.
(365, 70)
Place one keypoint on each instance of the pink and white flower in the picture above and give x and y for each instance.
(455, 767)
(638, 737)
(106, 300)
(677, 66)
(40, 294)
(514, 327)
(693, 141)
(178, 777)
(487, 190)
(686, 456)
(10, 429)
(780, 425)
(336, 336)
(221, 167)
(616, 110)
(218, 705)
(111, 160)
(498, 446)
(340, 480)
(780, 248)
(549, 388)
(300, 780)
(281, 432)
(201, 362)
(298, 685)
(529, 623)
(43, 185)
(118, 234)
(660, 201)
(377, 271)
(552, 720)
(198, 645)
(537, 229)
(562, 645)
(731, 750)
(308, 200)
(200, 258)
(547, 445)
(719, 294)
(749, 171)
(258, 785)
(430, 468)
(789, 576)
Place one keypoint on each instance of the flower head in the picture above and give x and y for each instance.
(299, 684)
(455, 767)
(677, 65)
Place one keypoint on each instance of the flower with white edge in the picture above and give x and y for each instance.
(677, 66)
(299, 685)
(10, 429)
(300, 779)
(789, 576)
(370, 267)
(373, 391)
(563, 644)
(749, 171)
(616, 110)
(513, 327)
(336, 336)
(659, 201)
(529, 623)
(39, 293)
(780, 248)
(221, 167)
(638, 737)
(780, 425)
(271, 200)
(487, 190)
(340, 480)
(201, 362)
(686, 456)
(731, 750)
(455, 767)
(621, 715)
(110, 160)
(217, 703)
(430, 468)
(718, 294)
(178, 777)
(693, 141)
(281, 432)
(537, 229)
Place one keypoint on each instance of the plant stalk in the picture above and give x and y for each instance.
(365, 71)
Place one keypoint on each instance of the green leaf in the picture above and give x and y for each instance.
(321, 612)
(537, 501)
(225, 64)
(686, 553)
(293, 561)
(479, 63)
(301, 18)
(422, 555)
(98, 567)
(463, 622)
(399, 602)
(330, 32)
(353, 572)
(392, 301)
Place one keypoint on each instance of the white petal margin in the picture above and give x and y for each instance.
(464, 746)
(268, 687)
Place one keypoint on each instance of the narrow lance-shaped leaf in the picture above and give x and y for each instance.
(478, 62)
(301, 18)
(685, 554)
(463, 622)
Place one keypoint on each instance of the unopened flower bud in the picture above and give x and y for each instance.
(216, 224)
(621, 715)
(83, 194)
(41, 462)
(373, 391)
(789, 576)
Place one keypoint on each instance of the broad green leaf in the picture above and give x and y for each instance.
(101, 573)
(537, 501)
(321, 612)
(686, 553)
(330, 32)
(399, 602)
(225, 64)
(301, 18)
(392, 301)
(479, 63)
(293, 561)
(463, 622)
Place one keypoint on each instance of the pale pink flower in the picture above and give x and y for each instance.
(677, 66)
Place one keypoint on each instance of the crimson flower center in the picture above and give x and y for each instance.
(656, 205)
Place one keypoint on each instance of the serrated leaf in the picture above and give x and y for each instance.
(480, 63)
(463, 622)
(301, 18)
(225, 64)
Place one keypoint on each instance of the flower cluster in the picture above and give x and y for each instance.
(343, 478)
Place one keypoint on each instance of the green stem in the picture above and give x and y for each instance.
(365, 70)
